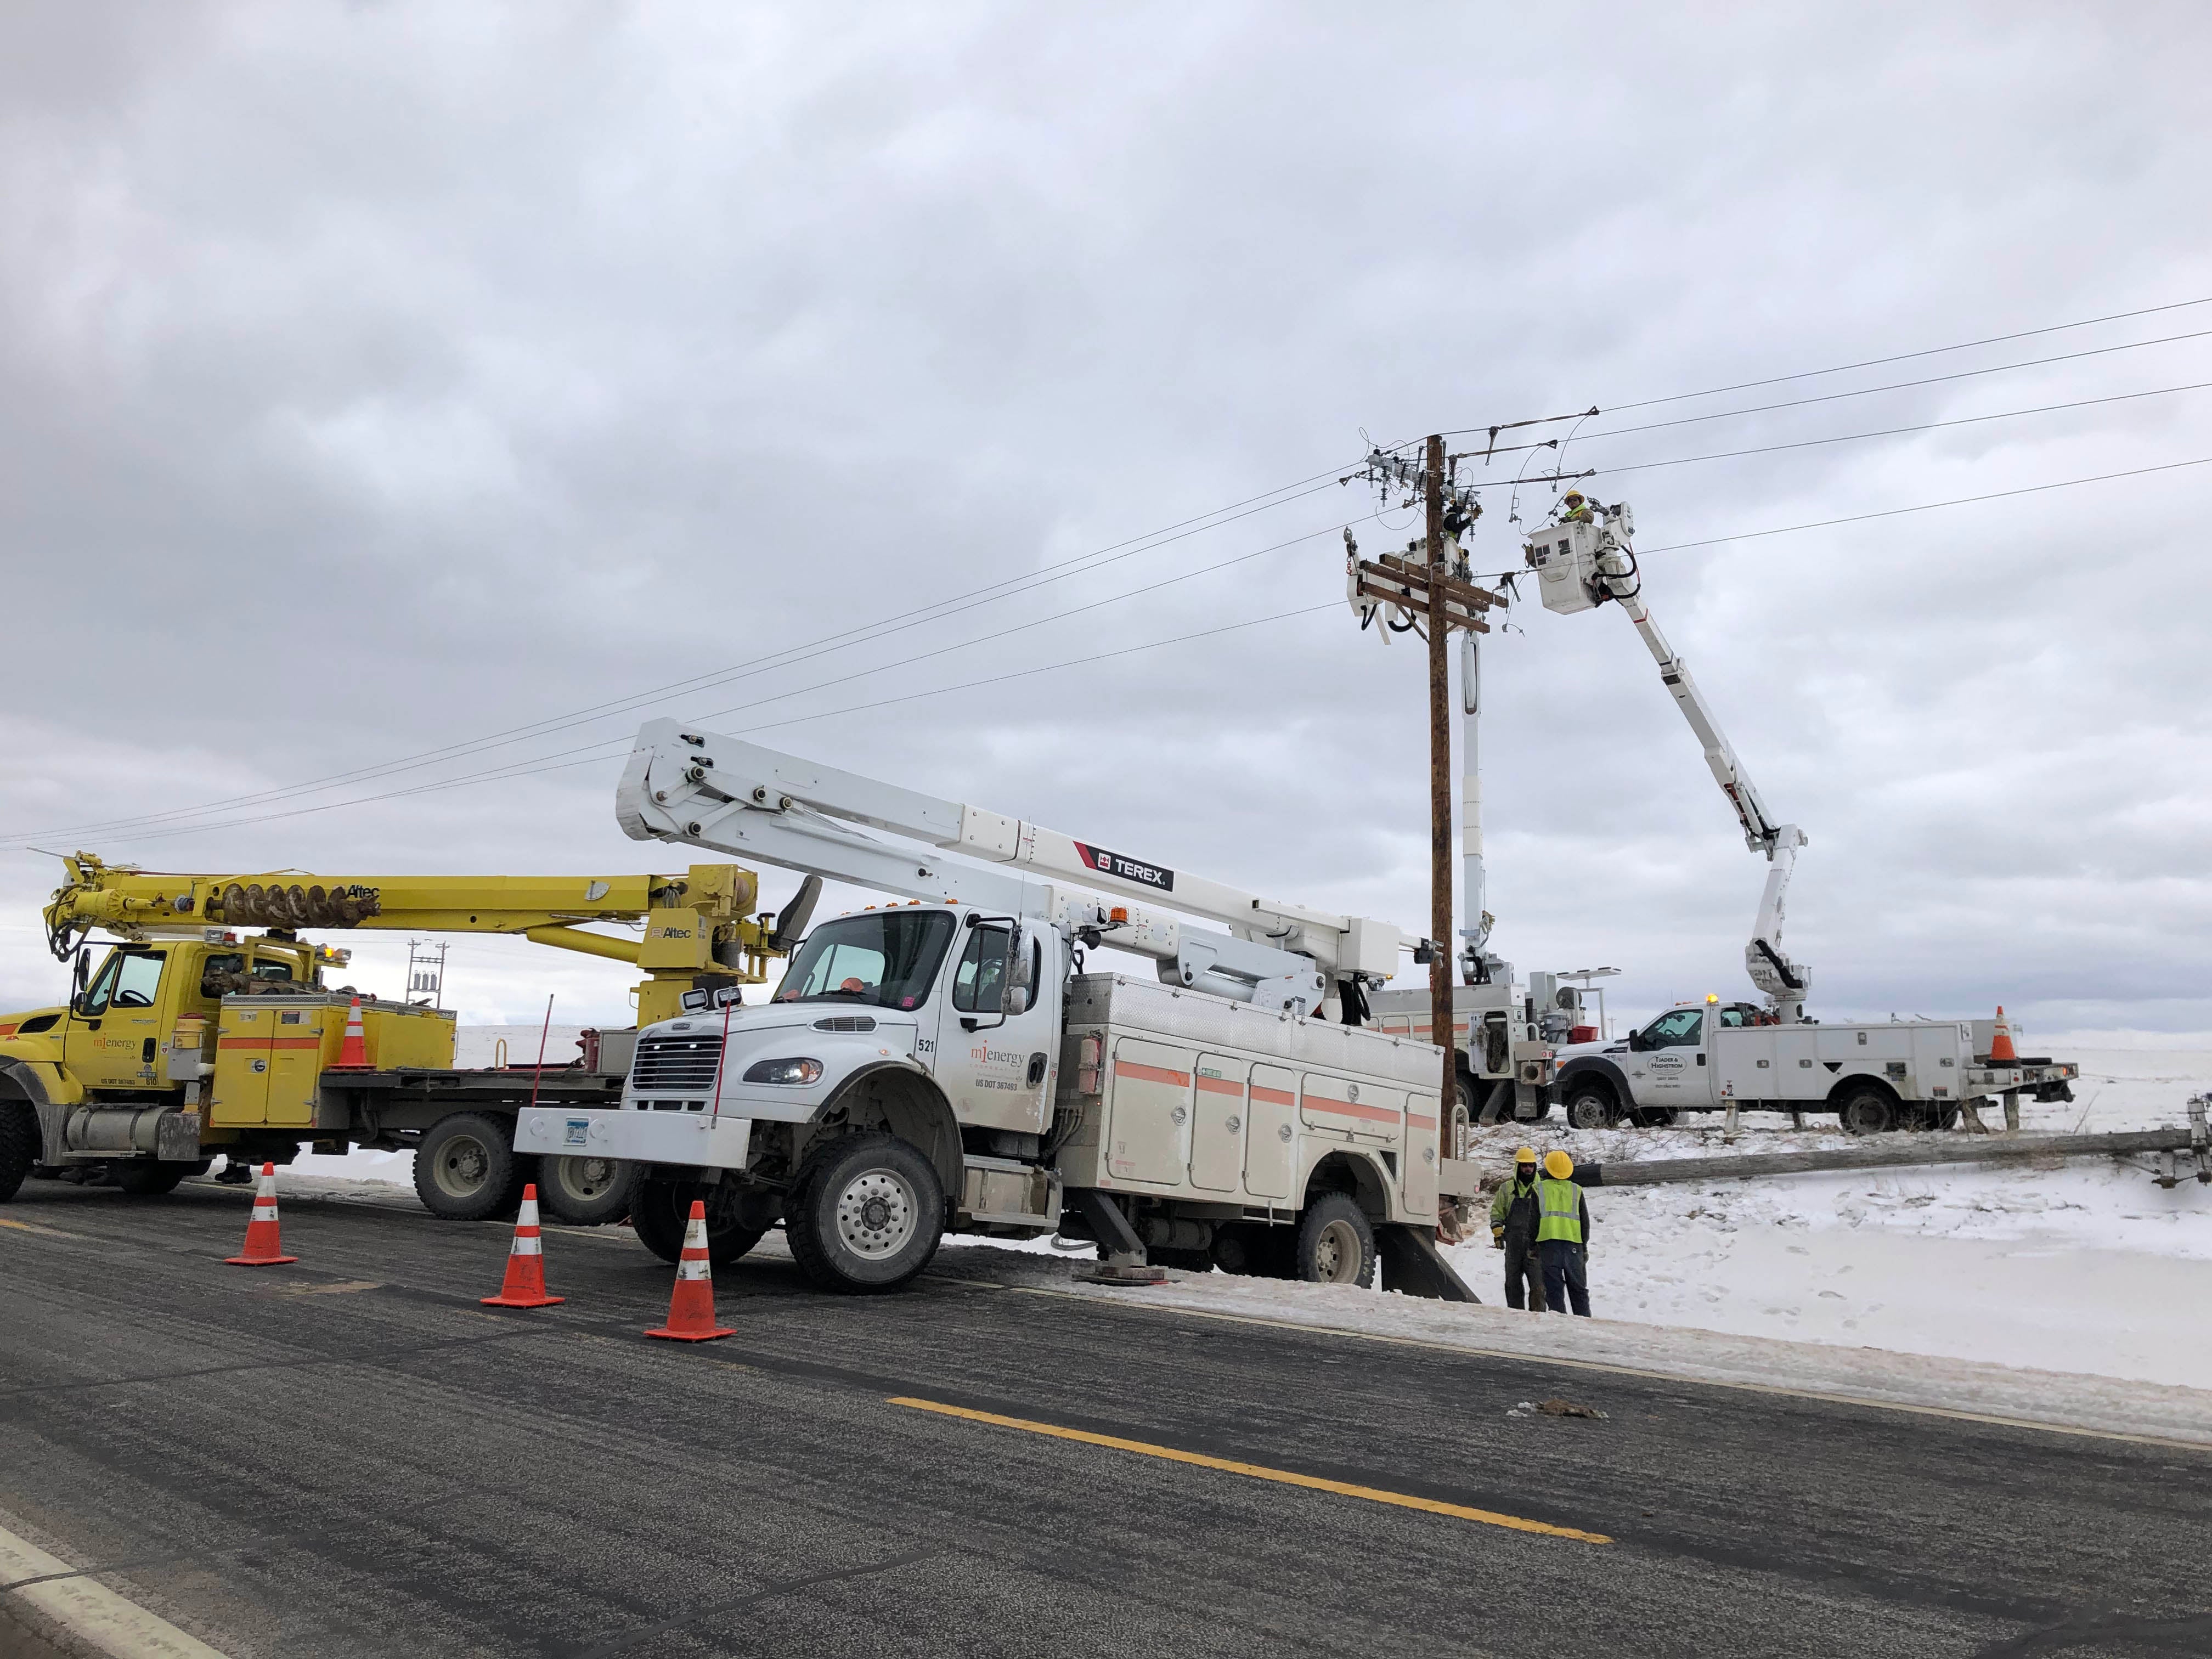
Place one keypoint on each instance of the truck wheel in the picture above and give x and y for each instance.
(866, 1213)
(1336, 1242)
(19, 1145)
(661, 1211)
(465, 1169)
(1590, 1106)
(1867, 1112)
(146, 1178)
(586, 1192)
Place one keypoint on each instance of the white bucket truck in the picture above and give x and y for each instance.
(1707, 1056)
(946, 1063)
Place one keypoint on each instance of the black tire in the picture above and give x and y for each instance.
(465, 1169)
(1591, 1106)
(1335, 1243)
(586, 1192)
(145, 1178)
(660, 1211)
(19, 1145)
(866, 1213)
(1868, 1111)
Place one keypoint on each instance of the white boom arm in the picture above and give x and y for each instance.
(722, 791)
(1582, 564)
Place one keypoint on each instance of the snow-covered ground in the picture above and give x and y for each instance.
(2081, 1267)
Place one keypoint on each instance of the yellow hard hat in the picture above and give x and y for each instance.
(1526, 1155)
(1558, 1164)
(1573, 496)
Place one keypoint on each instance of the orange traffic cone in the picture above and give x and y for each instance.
(525, 1262)
(353, 1053)
(263, 1247)
(691, 1304)
(2002, 1053)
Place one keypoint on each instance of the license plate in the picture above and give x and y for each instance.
(576, 1132)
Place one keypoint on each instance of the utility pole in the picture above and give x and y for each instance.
(1441, 927)
(1426, 589)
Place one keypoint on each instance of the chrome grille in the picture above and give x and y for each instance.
(669, 1063)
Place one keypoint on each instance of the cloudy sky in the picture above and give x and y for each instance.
(397, 402)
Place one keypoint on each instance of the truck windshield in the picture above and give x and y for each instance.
(888, 959)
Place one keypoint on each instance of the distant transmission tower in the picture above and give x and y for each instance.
(426, 973)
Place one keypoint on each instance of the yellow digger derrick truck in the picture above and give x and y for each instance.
(191, 1036)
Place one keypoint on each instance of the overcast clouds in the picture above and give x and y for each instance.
(376, 378)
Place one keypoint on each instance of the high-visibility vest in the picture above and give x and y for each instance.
(1561, 1214)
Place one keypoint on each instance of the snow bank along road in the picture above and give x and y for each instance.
(351, 1457)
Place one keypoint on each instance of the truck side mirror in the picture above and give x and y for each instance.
(77, 978)
(1636, 1042)
(1020, 987)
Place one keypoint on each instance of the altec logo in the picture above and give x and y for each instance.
(1128, 869)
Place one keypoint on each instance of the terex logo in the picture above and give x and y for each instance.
(1128, 869)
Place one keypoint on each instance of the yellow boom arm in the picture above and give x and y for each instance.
(699, 922)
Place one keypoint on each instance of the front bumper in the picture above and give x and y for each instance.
(706, 1139)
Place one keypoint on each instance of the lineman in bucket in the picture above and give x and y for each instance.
(1562, 1235)
(1513, 1229)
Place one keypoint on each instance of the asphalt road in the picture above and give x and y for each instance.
(351, 1457)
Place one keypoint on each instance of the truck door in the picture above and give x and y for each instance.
(1673, 1066)
(1218, 1115)
(114, 1035)
(999, 1075)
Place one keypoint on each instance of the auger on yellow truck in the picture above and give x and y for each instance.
(191, 1036)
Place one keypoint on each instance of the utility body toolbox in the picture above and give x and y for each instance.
(1180, 1096)
(270, 1053)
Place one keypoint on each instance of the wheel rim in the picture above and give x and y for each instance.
(877, 1213)
(1336, 1253)
(586, 1179)
(462, 1165)
(1587, 1112)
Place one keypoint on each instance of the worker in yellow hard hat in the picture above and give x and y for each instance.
(1562, 1235)
(1513, 1229)
(1574, 508)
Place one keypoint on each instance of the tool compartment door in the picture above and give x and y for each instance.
(1148, 1123)
(1360, 1111)
(296, 1058)
(1270, 1130)
(243, 1032)
(1218, 1123)
(1419, 1178)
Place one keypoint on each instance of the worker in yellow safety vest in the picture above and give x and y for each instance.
(1563, 1236)
(1513, 1229)
(1574, 508)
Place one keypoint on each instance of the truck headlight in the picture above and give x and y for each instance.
(784, 1071)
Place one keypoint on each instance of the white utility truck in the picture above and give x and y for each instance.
(1896, 1074)
(947, 1062)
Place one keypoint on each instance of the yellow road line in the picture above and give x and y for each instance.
(43, 1232)
(1257, 1471)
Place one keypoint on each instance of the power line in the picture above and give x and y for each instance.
(1864, 392)
(1927, 506)
(863, 633)
(1900, 431)
(1907, 356)
(526, 769)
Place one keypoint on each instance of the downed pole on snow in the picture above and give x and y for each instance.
(1922, 1149)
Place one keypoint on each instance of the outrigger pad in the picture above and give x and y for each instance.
(1412, 1263)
